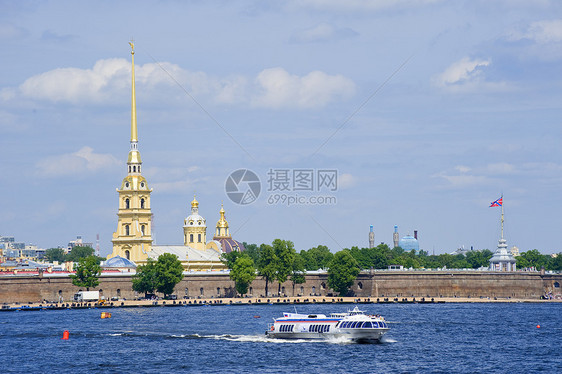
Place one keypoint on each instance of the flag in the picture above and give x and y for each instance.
(498, 202)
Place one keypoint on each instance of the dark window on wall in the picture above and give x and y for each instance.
(127, 203)
(142, 203)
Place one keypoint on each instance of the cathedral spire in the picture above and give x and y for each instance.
(134, 162)
(134, 137)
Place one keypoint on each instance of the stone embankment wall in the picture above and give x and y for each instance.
(377, 284)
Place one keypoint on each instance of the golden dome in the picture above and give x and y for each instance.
(222, 223)
(194, 203)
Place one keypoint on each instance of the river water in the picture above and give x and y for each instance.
(424, 338)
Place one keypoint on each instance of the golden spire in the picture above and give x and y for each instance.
(134, 154)
(134, 137)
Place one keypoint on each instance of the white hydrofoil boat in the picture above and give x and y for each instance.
(353, 325)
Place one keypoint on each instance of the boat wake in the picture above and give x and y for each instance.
(242, 338)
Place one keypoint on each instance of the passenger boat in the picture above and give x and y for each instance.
(354, 325)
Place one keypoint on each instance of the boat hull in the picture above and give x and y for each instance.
(359, 336)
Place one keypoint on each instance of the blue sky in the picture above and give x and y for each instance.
(428, 110)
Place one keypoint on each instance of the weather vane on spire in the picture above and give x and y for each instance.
(132, 44)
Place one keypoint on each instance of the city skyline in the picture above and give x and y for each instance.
(428, 111)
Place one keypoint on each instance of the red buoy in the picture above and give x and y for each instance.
(538, 326)
(65, 335)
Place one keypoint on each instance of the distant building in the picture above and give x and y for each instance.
(395, 236)
(514, 251)
(371, 237)
(77, 243)
(10, 249)
(408, 242)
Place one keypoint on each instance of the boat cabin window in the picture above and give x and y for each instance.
(367, 325)
(286, 328)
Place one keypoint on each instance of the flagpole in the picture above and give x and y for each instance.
(502, 215)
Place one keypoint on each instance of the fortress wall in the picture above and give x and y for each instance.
(458, 284)
(29, 288)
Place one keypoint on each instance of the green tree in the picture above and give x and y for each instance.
(87, 273)
(169, 272)
(478, 259)
(285, 255)
(228, 259)
(145, 278)
(55, 254)
(243, 273)
(252, 250)
(317, 258)
(555, 263)
(342, 272)
(267, 265)
(297, 273)
(532, 258)
(78, 252)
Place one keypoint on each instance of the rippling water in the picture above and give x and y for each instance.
(438, 338)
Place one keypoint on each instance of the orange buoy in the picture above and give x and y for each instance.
(538, 326)
(65, 335)
(105, 315)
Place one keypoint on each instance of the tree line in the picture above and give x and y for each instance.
(75, 254)
(280, 262)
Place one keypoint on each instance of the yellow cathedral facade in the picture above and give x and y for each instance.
(133, 238)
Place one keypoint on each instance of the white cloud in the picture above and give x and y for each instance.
(462, 71)
(81, 162)
(9, 31)
(360, 5)
(467, 75)
(542, 32)
(109, 80)
(463, 180)
(346, 181)
(174, 187)
(462, 168)
(500, 168)
(322, 32)
(280, 89)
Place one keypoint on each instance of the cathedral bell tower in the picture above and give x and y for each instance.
(221, 231)
(195, 228)
(133, 238)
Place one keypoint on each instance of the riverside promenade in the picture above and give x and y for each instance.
(261, 301)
